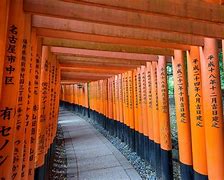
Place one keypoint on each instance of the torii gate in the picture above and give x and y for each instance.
(120, 49)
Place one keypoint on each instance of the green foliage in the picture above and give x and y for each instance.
(170, 79)
(221, 70)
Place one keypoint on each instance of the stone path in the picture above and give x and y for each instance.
(90, 155)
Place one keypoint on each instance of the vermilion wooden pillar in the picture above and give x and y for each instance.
(196, 114)
(144, 113)
(140, 121)
(4, 13)
(149, 110)
(36, 98)
(29, 110)
(135, 101)
(121, 105)
(10, 87)
(212, 109)
(164, 120)
(155, 117)
(44, 80)
(182, 115)
(19, 137)
(131, 109)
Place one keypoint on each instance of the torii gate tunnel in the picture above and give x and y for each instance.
(108, 60)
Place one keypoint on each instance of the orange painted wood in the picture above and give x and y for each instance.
(78, 30)
(106, 46)
(20, 124)
(10, 87)
(130, 100)
(4, 12)
(182, 109)
(139, 87)
(123, 18)
(127, 104)
(196, 111)
(44, 80)
(30, 102)
(149, 99)
(135, 94)
(144, 104)
(160, 7)
(212, 109)
(98, 40)
(124, 98)
(121, 118)
(155, 108)
(36, 43)
(106, 54)
(163, 105)
(116, 98)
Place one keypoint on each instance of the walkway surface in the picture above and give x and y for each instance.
(89, 154)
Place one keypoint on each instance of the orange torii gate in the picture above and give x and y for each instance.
(112, 67)
(157, 100)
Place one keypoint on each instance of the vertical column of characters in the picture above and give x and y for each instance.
(212, 108)
(117, 104)
(114, 107)
(109, 99)
(131, 109)
(138, 108)
(53, 98)
(156, 129)
(4, 14)
(10, 85)
(22, 101)
(35, 117)
(140, 115)
(196, 114)
(149, 110)
(128, 110)
(57, 96)
(182, 114)
(135, 106)
(127, 123)
(47, 122)
(106, 98)
(103, 98)
(164, 120)
(43, 106)
(144, 113)
(124, 106)
(116, 98)
(120, 105)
